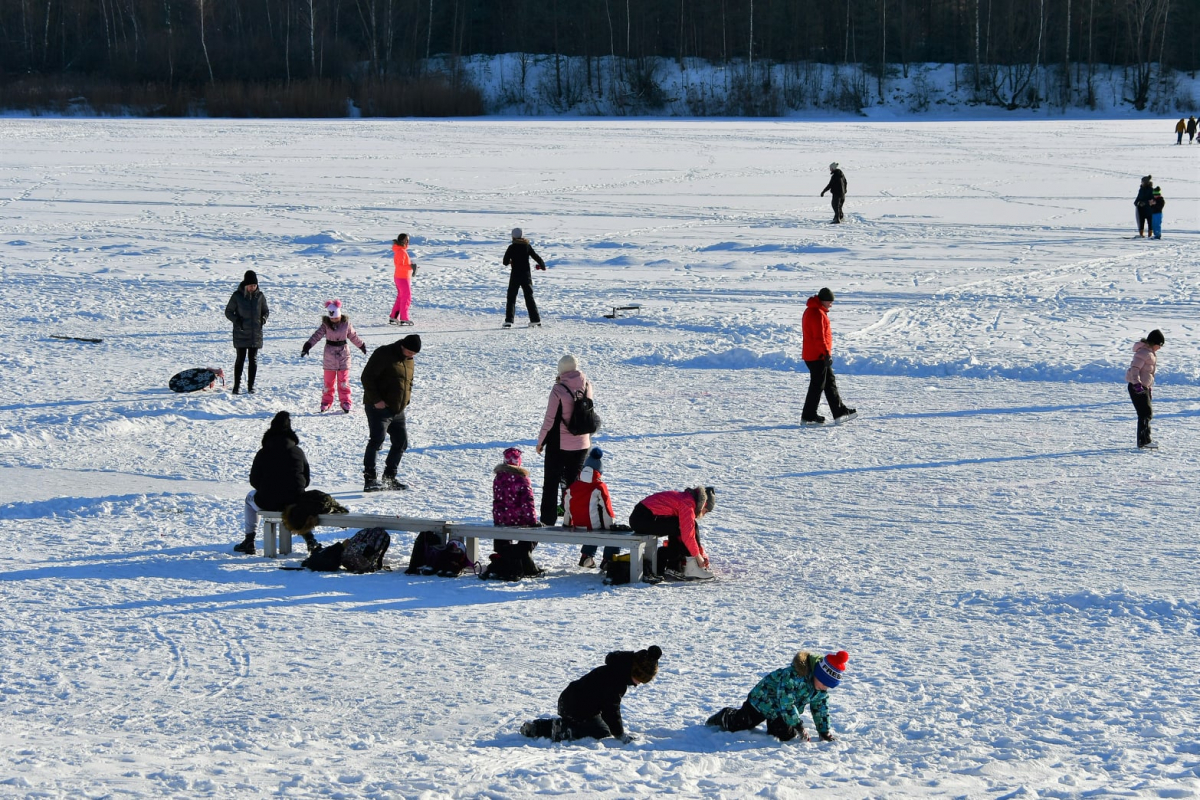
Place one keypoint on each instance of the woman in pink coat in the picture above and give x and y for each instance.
(564, 451)
(336, 329)
(404, 271)
(1140, 377)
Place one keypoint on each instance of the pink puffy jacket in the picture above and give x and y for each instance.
(1145, 361)
(562, 394)
(337, 353)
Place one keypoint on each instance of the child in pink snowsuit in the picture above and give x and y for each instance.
(405, 269)
(337, 331)
(512, 496)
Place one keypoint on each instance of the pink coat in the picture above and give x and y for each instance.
(512, 497)
(1145, 361)
(562, 394)
(337, 353)
(683, 506)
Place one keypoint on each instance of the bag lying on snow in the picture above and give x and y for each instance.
(361, 553)
(431, 557)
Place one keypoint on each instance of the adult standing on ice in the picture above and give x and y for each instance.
(405, 268)
(337, 331)
(836, 185)
(817, 352)
(279, 476)
(1191, 128)
(247, 310)
(1180, 129)
(564, 451)
(1142, 203)
(387, 388)
(520, 278)
(1140, 377)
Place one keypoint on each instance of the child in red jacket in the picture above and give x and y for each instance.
(587, 505)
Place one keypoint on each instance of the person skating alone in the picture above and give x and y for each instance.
(520, 278)
(1142, 204)
(387, 389)
(336, 330)
(403, 273)
(1180, 128)
(564, 451)
(836, 185)
(279, 476)
(780, 697)
(247, 310)
(1157, 204)
(1140, 377)
(817, 352)
(590, 707)
(587, 505)
(676, 515)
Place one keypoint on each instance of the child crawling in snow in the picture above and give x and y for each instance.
(780, 697)
(591, 705)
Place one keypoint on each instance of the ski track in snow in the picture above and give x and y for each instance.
(1015, 583)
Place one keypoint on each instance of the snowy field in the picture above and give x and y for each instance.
(1015, 582)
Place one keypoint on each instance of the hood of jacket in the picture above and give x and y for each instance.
(622, 661)
(510, 469)
(573, 380)
(814, 302)
(277, 437)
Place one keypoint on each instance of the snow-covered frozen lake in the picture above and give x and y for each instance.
(1015, 582)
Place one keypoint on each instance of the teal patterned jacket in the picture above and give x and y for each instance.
(785, 692)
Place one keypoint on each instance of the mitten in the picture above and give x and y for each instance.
(304, 351)
(828, 737)
(542, 268)
(364, 349)
(414, 268)
(1139, 389)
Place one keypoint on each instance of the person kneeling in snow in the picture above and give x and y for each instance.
(780, 697)
(591, 705)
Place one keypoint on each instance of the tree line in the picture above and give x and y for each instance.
(188, 45)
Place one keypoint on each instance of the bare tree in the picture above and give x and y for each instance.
(204, 43)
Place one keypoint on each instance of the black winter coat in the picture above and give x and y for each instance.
(518, 255)
(248, 315)
(1144, 196)
(600, 692)
(837, 184)
(280, 471)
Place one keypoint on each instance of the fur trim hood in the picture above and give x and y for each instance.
(803, 663)
(511, 469)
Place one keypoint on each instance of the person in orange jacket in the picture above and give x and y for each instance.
(405, 269)
(817, 353)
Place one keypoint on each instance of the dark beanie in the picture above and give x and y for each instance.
(249, 278)
(281, 421)
(1156, 337)
(825, 294)
(411, 342)
(645, 664)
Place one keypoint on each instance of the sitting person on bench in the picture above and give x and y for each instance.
(279, 476)
(513, 505)
(674, 515)
(587, 505)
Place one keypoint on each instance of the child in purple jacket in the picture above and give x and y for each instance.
(512, 499)
(337, 331)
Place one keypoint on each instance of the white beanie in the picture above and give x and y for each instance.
(567, 363)
(833, 166)
(333, 308)
(517, 233)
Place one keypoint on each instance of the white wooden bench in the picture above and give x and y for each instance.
(273, 527)
(640, 546)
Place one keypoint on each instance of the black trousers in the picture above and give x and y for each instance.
(240, 361)
(822, 380)
(837, 204)
(1141, 403)
(570, 728)
(747, 717)
(510, 307)
(381, 421)
(562, 466)
(1143, 218)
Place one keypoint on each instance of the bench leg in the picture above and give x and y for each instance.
(472, 545)
(285, 540)
(635, 562)
(269, 539)
(653, 556)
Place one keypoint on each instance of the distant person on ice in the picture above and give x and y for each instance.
(1180, 129)
(564, 451)
(247, 310)
(405, 269)
(836, 185)
(590, 707)
(1191, 128)
(780, 698)
(387, 389)
(1140, 377)
(279, 476)
(817, 352)
(337, 331)
(1157, 204)
(1142, 203)
(676, 516)
(520, 278)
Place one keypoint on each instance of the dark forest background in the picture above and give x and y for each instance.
(396, 57)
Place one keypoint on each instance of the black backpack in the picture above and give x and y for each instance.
(584, 419)
(365, 550)
(327, 559)
(506, 564)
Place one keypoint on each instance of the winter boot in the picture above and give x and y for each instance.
(587, 562)
(718, 719)
(247, 546)
(311, 542)
(528, 568)
(371, 483)
(237, 386)
(692, 571)
(392, 485)
(814, 420)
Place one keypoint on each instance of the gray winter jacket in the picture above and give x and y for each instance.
(248, 313)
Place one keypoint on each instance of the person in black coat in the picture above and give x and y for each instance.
(517, 256)
(279, 476)
(1142, 204)
(591, 705)
(837, 186)
(247, 310)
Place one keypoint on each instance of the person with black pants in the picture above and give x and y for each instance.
(564, 451)
(1140, 377)
(837, 186)
(387, 389)
(817, 354)
(247, 310)
(1142, 204)
(520, 278)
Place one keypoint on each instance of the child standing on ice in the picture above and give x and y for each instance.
(591, 705)
(404, 271)
(1140, 377)
(780, 697)
(336, 329)
(1157, 203)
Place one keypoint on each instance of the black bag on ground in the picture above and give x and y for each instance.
(584, 419)
(506, 564)
(327, 559)
(431, 557)
(617, 571)
(365, 550)
(426, 541)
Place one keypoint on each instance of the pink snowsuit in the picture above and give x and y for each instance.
(403, 277)
(336, 359)
(512, 493)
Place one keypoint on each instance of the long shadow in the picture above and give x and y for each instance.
(959, 463)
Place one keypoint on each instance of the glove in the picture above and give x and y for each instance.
(828, 737)
(1139, 389)
(542, 268)
(304, 351)
(822, 194)
(364, 349)
(414, 269)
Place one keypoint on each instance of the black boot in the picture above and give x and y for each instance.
(311, 542)
(247, 546)
(528, 568)
(718, 719)
(237, 386)
(371, 483)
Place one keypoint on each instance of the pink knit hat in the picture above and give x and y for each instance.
(333, 308)
(513, 456)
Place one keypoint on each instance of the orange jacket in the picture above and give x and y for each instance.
(818, 336)
(403, 265)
